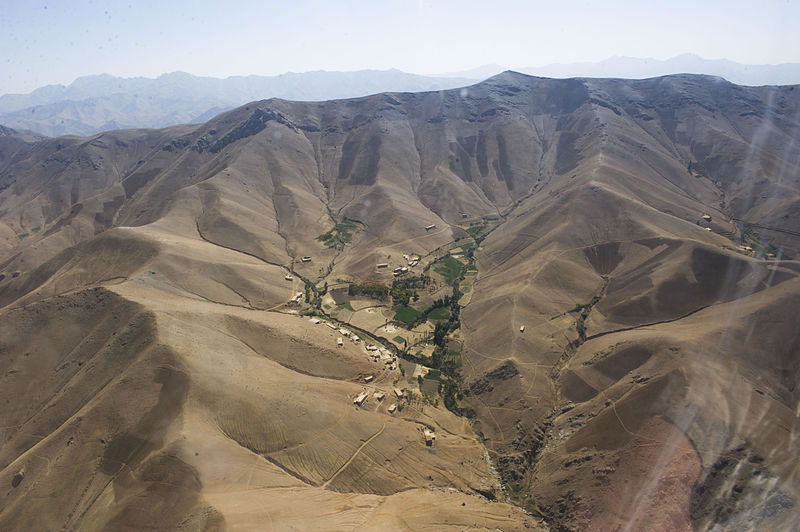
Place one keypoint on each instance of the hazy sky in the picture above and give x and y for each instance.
(56, 41)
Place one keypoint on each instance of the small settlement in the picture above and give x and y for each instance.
(375, 353)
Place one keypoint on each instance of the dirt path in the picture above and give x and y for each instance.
(346, 464)
(633, 328)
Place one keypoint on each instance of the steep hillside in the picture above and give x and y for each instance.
(618, 258)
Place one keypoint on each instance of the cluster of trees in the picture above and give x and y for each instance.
(402, 296)
(583, 311)
(440, 303)
(415, 281)
(405, 289)
(341, 234)
(312, 296)
(444, 359)
(374, 290)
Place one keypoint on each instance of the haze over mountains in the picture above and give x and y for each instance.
(632, 67)
(92, 104)
(639, 68)
(624, 337)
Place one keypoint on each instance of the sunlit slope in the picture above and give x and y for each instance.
(194, 402)
(694, 345)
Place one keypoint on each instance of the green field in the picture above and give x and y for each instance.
(441, 313)
(475, 230)
(399, 340)
(449, 268)
(345, 304)
(405, 313)
(433, 374)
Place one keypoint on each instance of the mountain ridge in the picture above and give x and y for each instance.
(102, 102)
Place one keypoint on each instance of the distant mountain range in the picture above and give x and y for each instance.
(631, 67)
(99, 103)
(102, 102)
(638, 68)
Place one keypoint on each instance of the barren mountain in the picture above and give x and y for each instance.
(619, 334)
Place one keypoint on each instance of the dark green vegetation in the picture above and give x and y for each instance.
(476, 230)
(312, 297)
(445, 361)
(449, 268)
(762, 247)
(440, 313)
(405, 313)
(441, 309)
(345, 305)
(433, 374)
(341, 234)
(405, 289)
(374, 290)
(582, 311)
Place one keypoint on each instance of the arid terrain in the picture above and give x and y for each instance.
(575, 304)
